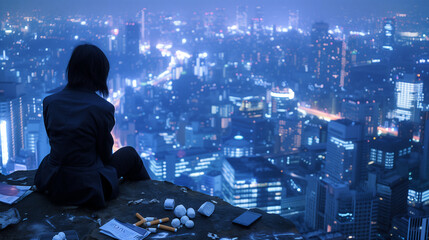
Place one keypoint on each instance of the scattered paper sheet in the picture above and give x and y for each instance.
(123, 231)
(12, 193)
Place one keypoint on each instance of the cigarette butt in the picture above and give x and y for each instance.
(139, 216)
(154, 222)
(139, 223)
(153, 230)
(167, 228)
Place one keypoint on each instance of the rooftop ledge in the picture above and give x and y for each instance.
(39, 215)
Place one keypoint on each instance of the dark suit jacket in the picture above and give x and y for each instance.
(78, 124)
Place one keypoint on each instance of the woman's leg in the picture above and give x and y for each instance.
(128, 164)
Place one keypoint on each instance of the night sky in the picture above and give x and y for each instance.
(275, 10)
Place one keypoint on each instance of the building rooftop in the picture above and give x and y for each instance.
(237, 142)
(39, 216)
(258, 166)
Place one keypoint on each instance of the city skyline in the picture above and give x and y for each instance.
(321, 118)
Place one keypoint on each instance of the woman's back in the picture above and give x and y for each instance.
(81, 169)
(74, 120)
(78, 124)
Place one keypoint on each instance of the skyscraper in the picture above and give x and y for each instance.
(282, 100)
(11, 121)
(332, 206)
(364, 111)
(326, 56)
(392, 193)
(343, 156)
(424, 139)
(388, 37)
(409, 98)
(418, 228)
(252, 182)
(142, 26)
(258, 19)
(385, 151)
(241, 18)
(294, 19)
(132, 38)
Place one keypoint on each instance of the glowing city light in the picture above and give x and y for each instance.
(238, 137)
(4, 143)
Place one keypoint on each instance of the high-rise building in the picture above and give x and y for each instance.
(392, 193)
(343, 156)
(237, 148)
(326, 55)
(294, 19)
(258, 131)
(252, 182)
(142, 27)
(281, 100)
(258, 19)
(399, 228)
(385, 151)
(418, 228)
(11, 121)
(211, 183)
(241, 18)
(424, 140)
(193, 162)
(418, 194)
(132, 38)
(409, 98)
(332, 206)
(288, 135)
(363, 111)
(388, 34)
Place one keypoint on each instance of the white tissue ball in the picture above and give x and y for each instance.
(189, 224)
(62, 235)
(56, 237)
(190, 212)
(184, 219)
(180, 211)
(175, 223)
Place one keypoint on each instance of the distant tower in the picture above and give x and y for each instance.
(258, 19)
(132, 38)
(241, 18)
(326, 56)
(294, 19)
(388, 34)
(142, 27)
(424, 139)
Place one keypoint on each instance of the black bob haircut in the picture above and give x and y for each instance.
(88, 69)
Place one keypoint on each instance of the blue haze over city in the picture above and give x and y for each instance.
(314, 110)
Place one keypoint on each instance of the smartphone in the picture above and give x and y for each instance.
(247, 218)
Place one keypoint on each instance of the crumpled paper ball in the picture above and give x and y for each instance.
(175, 223)
(180, 211)
(189, 224)
(190, 212)
(184, 219)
